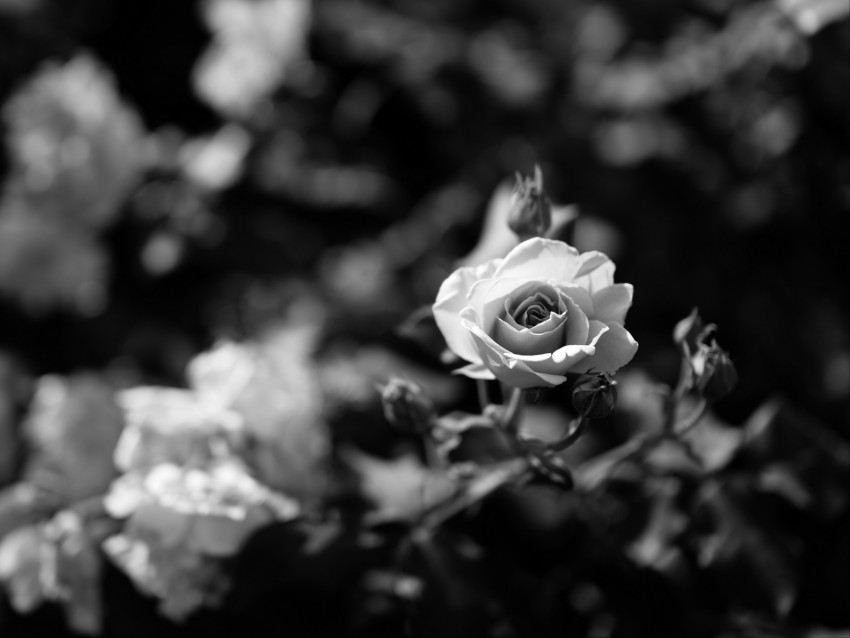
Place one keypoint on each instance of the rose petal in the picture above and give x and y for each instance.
(577, 327)
(596, 272)
(153, 521)
(579, 295)
(488, 296)
(524, 341)
(590, 261)
(220, 535)
(526, 371)
(125, 495)
(539, 258)
(614, 350)
(475, 371)
(550, 324)
(451, 299)
(612, 303)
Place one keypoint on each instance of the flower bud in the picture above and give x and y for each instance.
(594, 395)
(715, 374)
(407, 406)
(531, 211)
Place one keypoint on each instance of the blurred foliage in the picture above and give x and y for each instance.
(175, 174)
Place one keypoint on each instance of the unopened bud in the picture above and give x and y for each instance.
(407, 406)
(531, 211)
(594, 395)
(715, 374)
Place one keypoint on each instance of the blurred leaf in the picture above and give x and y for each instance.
(401, 489)
(810, 16)
(740, 550)
(657, 546)
(455, 597)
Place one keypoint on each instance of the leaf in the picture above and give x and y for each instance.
(666, 522)
(454, 593)
(810, 16)
(400, 489)
(743, 552)
(714, 442)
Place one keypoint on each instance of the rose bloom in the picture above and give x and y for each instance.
(542, 312)
(209, 511)
(171, 425)
(272, 385)
(179, 523)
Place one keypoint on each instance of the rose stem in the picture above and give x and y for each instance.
(511, 416)
(478, 488)
(575, 433)
(675, 398)
(688, 424)
(483, 395)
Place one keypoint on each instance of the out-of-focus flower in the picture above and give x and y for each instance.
(594, 395)
(73, 427)
(515, 73)
(71, 569)
(74, 147)
(54, 560)
(183, 581)
(20, 564)
(172, 425)
(179, 521)
(42, 263)
(215, 162)
(209, 511)
(255, 45)
(273, 385)
(74, 156)
(542, 312)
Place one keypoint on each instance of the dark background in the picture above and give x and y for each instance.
(724, 186)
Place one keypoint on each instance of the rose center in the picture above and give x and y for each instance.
(535, 310)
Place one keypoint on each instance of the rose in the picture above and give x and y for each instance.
(172, 425)
(538, 314)
(209, 511)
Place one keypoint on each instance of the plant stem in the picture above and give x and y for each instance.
(672, 402)
(574, 434)
(483, 395)
(693, 419)
(510, 419)
(479, 488)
